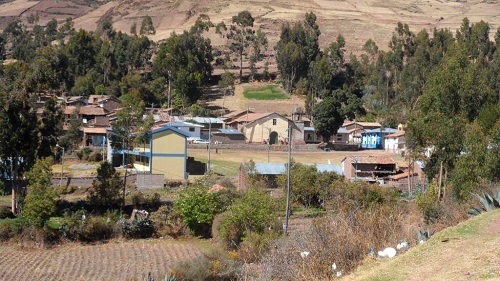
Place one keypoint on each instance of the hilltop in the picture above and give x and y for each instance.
(356, 20)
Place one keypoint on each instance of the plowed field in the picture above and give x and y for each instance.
(112, 261)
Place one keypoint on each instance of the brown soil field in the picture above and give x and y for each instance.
(357, 20)
(116, 260)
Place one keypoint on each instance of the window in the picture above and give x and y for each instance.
(339, 137)
(309, 137)
(191, 129)
(275, 121)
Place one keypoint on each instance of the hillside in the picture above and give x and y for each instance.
(468, 251)
(357, 20)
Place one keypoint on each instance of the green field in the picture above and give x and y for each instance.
(269, 92)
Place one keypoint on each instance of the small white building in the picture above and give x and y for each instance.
(194, 130)
(395, 142)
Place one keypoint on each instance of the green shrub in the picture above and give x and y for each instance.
(105, 191)
(255, 211)
(39, 204)
(10, 228)
(198, 208)
(428, 204)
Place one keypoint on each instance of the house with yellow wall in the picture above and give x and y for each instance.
(164, 153)
(272, 128)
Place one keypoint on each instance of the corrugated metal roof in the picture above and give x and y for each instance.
(164, 128)
(230, 132)
(280, 168)
(340, 131)
(330, 168)
(343, 131)
(184, 124)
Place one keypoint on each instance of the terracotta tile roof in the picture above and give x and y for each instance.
(251, 117)
(102, 121)
(92, 110)
(235, 113)
(94, 130)
(369, 159)
(395, 135)
(93, 99)
(68, 110)
(364, 124)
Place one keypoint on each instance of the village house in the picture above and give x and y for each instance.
(374, 139)
(165, 153)
(395, 142)
(355, 129)
(368, 168)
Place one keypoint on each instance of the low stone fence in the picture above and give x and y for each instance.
(141, 181)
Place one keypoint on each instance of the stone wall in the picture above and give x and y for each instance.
(140, 181)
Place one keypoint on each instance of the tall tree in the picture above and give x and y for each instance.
(241, 34)
(185, 62)
(297, 48)
(328, 117)
(18, 140)
(147, 27)
(50, 128)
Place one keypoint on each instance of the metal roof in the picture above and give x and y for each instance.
(185, 124)
(230, 132)
(280, 168)
(164, 128)
(330, 168)
(340, 130)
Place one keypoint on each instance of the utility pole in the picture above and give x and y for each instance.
(209, 142)
(287, 216)
(62, 164)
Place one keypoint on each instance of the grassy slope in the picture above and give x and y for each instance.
(269, 92)
(468, 251)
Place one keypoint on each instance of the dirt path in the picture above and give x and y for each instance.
(111, 261)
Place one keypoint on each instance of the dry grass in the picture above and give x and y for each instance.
(468, 251)
(115, 260)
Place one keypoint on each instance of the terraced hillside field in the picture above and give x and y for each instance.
(356, 20)
(131, 260)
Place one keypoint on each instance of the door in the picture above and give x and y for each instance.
(273, 138)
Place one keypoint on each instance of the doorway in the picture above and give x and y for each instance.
(273, 138)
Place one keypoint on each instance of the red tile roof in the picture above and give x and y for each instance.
(68, 110)
(395, 135)
(92, 110)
